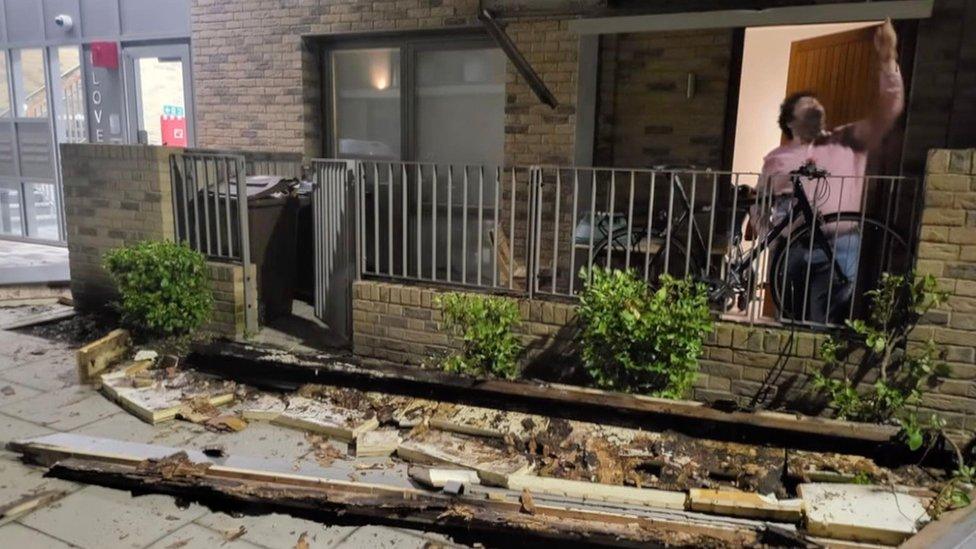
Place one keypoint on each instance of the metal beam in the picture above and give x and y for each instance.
(515, 56)
(794, 15)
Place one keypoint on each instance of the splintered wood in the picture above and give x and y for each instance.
(101, 353)
(494, 464)
(865, 513)
(344, 424)
(156, 396)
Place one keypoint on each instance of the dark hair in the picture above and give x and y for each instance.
(786, 110)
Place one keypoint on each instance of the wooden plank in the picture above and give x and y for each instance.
(251, 364)
(264, 407)
(99, 354)
(343, 424)
(157, 402)
(274, 483)
(438, 477)
(744, 504)
(494, 465)
(377, 443)
(39, 318)
(486, 422)
(594, 491)
(28, 503)
(864, 513)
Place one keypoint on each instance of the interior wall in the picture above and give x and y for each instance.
(765, 63)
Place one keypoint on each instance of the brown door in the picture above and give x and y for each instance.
(841, 69)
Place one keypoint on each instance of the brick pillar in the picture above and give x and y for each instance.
(114, 195)
(948, 251)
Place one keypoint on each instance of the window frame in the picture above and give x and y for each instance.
(409, 45)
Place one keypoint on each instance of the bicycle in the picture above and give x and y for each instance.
(732, 281)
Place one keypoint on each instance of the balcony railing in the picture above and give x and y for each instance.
(803, 248)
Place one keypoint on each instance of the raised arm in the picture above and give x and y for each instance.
(868, 132)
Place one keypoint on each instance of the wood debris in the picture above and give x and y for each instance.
(592, 491)
(262, 407)
(493, 462)
(101, 353)
(226, 423)
(25, 504)
(735, 503)
(378, 443)
(43, 317)
(341, 423)
(528, 504)
(438, 477)
(863, 513)
(155, 397)
(486, 422)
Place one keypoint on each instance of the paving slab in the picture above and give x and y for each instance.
(193, 536)
(18, 535)
(26, 348)
(53, 371)
(380, 536)
(97, 517)
(11, 392)
(18, 480)
(258, 439)
(124, 426)
(278, 531)
(64, 409)
(12, 428)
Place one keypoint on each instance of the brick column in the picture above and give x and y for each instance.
(948, 251)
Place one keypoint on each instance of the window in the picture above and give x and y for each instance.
(70, 96)
(30, 89)
(367, 103)
(419, 99)
(4, 89)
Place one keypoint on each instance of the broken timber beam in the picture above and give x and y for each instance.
(236, 481)
(273, 368)
(99, 354)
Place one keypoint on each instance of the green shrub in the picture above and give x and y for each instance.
(484, 324)
(896, 307)
(642, 340)
(164, 287)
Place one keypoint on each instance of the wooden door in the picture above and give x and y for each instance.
(841, 69)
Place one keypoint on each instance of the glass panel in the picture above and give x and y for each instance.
(10, 212)
(29, 83)
(72, 127)
(42, 209)
(7, 166)
(366, 87)
(4, 89)
(35, 148)
(461, 92)
(161, 102)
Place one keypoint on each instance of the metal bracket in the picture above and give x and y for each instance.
(522, 65)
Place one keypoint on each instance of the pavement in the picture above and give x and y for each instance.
(39, 394)
(26, 263)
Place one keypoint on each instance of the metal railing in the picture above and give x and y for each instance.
(812, 255)
(455, 224)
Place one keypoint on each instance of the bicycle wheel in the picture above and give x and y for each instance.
(888, 252)
(674, 262)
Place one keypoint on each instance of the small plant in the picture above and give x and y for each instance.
(164, 287)
(638, 339)
(484, 324)
(896, 307)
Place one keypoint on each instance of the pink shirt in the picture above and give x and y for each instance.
(841, 152)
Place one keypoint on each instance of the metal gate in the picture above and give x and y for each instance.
(208, 215)
(334, 214)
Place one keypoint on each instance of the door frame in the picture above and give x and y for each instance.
(133, 102)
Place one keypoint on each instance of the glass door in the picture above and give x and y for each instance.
(158, 94)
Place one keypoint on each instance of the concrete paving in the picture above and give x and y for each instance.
(39, 394)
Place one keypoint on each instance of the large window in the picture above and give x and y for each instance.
(417, 99)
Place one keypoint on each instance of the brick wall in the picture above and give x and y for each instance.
(644, 115)
(256, 72)
(118, 195)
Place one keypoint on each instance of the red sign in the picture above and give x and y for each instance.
(174, 130)
(105, 55)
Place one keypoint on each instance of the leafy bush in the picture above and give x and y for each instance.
(164, 287)
(642, 340)
(484, 324)
(896, 307)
